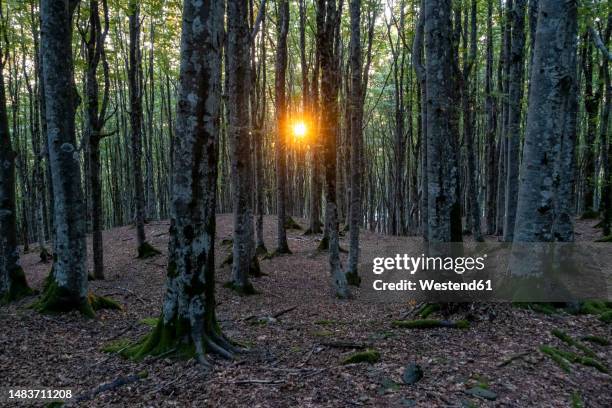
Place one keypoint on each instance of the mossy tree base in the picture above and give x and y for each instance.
(44, 255)
(323, 244)
(18, 287)
(178, 339)
(353, 279)
(290, 223)
(55, 299)
(147, 250)
(261, 250)
(589, 215)
(605, 239)
(315, 231)
(242, 290)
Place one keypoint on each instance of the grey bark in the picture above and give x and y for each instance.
(134, 75)
(61, 99)
(551, 96)
(441, 160)
(329, 133)
(356, 140)
(240, 141)
(491, 112)
(513, 127)
(282, 126)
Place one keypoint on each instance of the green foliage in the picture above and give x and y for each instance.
(577, 400)
(606, 317)
(368, 356)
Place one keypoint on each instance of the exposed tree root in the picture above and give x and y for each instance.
(564, 358)
(147, 250)
(570, 341)
(367, 356)
(18, 288)
(102, 302)
(605, 239)
(427, 309)
(182, 339)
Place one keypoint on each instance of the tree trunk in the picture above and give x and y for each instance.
(441, 160)
(66, 287)
(553, 82)
(356, 141)
(329, 133)
(13, 284)
(188, 320)
(282, 127)
(244, 260)
(491, 109)
(513, 128)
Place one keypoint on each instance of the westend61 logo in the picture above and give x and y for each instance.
(412, 264)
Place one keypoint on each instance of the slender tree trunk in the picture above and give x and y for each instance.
(282, 126)
(513, 128)
(491, 112)
(243, 254)
(356, 140)
(145, 250)
(329, 133)
(13, 284)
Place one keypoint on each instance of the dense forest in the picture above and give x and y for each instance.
(330, 122)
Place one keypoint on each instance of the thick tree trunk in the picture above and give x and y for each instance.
(244, 260)
(513, 128)
(441, 160)
(547, 141)
(282, 127)
(66, 287)
(606, 141)
(188, 322)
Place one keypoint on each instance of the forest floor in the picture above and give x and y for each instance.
(294, 359)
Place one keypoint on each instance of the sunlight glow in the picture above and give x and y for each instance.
(299, 129)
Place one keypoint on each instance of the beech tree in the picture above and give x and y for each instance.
(188, 322)
(13, 284)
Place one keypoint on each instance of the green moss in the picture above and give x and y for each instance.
(353, 279)
(57, 299)
(227, 241)
(428, 309)
(117, 346)
(577, 400)
(150, 321)
(147, 250)
(556, 357)
(593, 307)
(589, 214)
(101, 302)
(539, 307)
(18, 288)
(290, 223)
(324, 322)
(605, 239)
(368, 356)
(323, 244)
(606, 317)
(563, 358)
(170, 339)
(597, 340)
(228, 260)
(261, 250)
(429, 324)
(566, 338)
(323, 333)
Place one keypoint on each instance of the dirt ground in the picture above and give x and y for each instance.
(294, 359)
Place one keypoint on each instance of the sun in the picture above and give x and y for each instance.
(299, 129)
